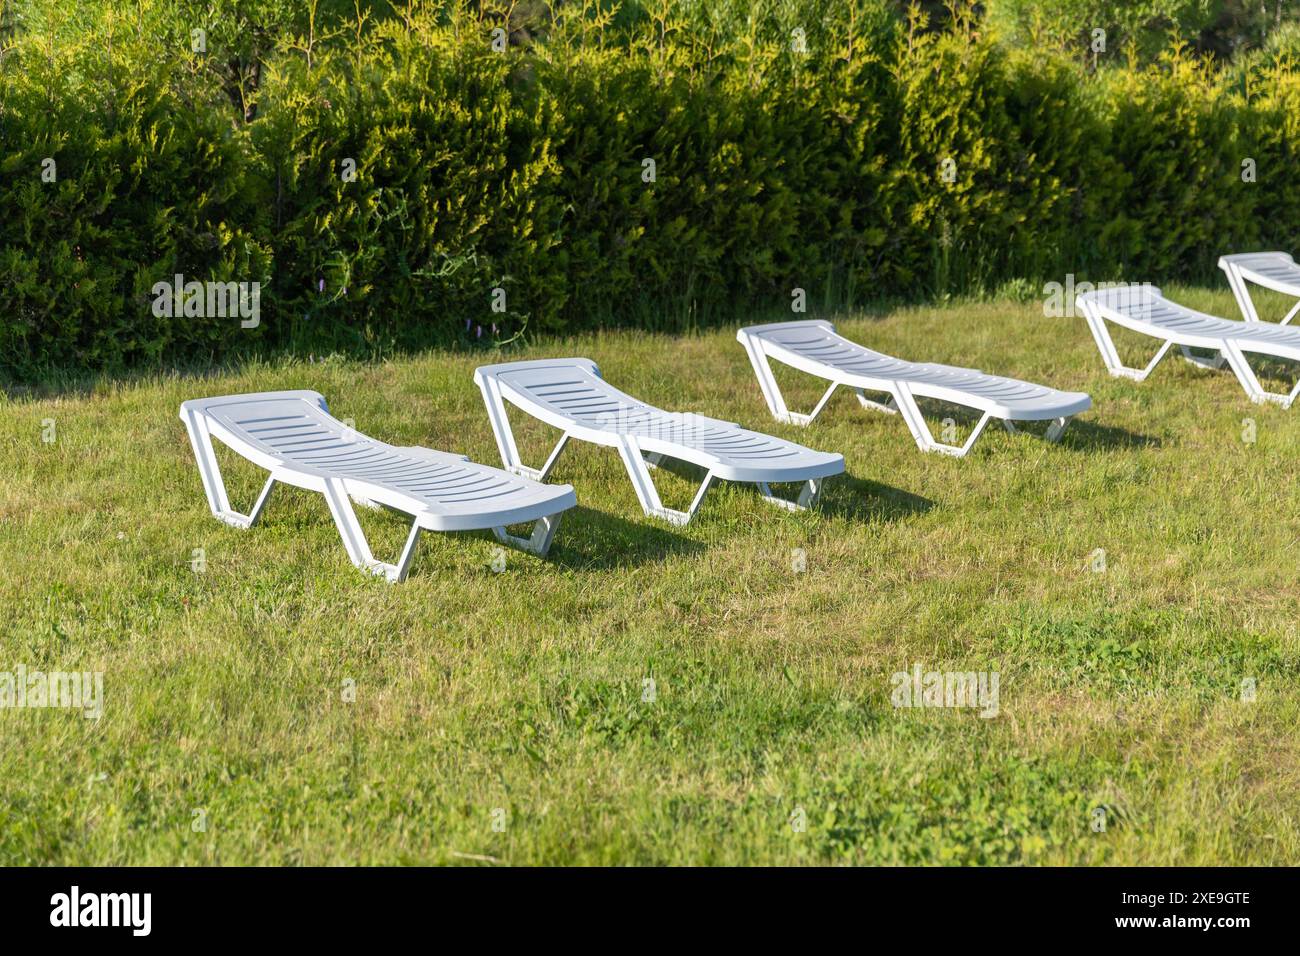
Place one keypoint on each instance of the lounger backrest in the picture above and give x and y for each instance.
(1145, 309)
(1125, 298)
(571, 390)
(815, 343)
(1144, 304)
(1276, 267)
(295, 428)
(572, 387)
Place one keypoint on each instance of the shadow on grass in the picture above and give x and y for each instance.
(1275, 374)
(593, 540)
(1088, 436)
(864, 500)
(1080, 435)
(589, 540)
(843, 494)
(83, 383)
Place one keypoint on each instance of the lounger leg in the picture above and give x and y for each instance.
(539, 543)
(1237, 282)
(1111, 357)
(1057, 428)
(798, 418)
(1054, 430)
(496, 409)
(772, 391)
(1246, 376)
(767, 381)
(911, 413)
(398, 572)
(260, 504)
(354, 538)
(888, 406)
(811, 492)
(638, 470)
(1241, 292)
(809, 495)
(541, 474)
(826, 397)
(551, 459)
(213, 487)
(1215, 361)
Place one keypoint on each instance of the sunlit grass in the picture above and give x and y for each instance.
(505, 715)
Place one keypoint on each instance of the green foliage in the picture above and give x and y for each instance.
(120, 170)
(1147, 26)
(1266, 89)
(454, 173)
(1179, 200)
(663, 163)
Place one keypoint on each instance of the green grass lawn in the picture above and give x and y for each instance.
(502, 716)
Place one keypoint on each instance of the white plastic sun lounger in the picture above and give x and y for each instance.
(293, 436)
(569, 394)
(815, 347)
(1143, 309)
(1272, 270)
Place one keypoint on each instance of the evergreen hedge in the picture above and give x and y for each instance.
(663, 165)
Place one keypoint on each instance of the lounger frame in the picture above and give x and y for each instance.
(1203, 332)
(902, 396)
(339, 492)
(639, 454)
